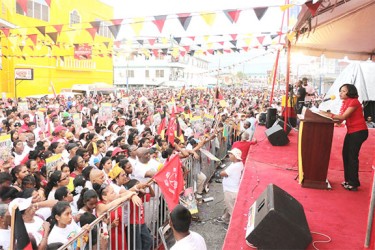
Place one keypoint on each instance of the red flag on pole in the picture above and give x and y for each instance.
(218, 95)
(171, 181)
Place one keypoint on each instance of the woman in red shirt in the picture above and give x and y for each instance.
(357, 132)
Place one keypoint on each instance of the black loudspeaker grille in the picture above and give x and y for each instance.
(277, 136)
(277, 221)
(271, 117)
(281, 124)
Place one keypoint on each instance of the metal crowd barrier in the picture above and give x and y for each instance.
(155, 210)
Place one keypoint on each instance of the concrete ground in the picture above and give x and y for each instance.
(213, 232)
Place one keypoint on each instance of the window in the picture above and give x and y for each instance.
(130, 73)
(74, 17)
(147, 73)
(37, 9)
(104, 30)
(159, 73)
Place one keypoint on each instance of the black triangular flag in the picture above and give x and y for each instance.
(178, 39)
(259, 12)
(114, 30)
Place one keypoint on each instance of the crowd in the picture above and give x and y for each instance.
(70, 160)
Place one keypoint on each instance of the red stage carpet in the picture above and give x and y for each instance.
(338, 213)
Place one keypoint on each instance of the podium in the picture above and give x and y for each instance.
(314, 149)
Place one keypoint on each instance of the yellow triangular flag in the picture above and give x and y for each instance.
(247, 41)
(285, 7)
(205, 38)
(137, 25)
(291, 36)
(209, 18)
(164, 40)
(175, 52)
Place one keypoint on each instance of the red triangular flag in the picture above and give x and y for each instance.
(92, 32)
(23, 5)
(117, 21)
(58, 28)
(234, 36)
(221, 43)
(155, 52)
(117, 44)
(187, 48)
(5, 31)
(182, 53)
(171, 181)
(260, 39)
(159, 22)
(245, 48)
(151, 41)
(313, 7)
(192, 37)
(232, 15)
(33, 38)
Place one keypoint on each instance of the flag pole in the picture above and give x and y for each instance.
(12, 226)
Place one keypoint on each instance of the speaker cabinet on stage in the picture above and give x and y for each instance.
(281, 124)
(277, 221)
(277, 136)
(271, 117)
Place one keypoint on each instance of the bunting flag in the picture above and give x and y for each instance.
(274, 36)
(117, 21)
(184, 19)
(58, 28)
(260, 39)
(291, 36)
(164, 51)
(182, 53)
(106, 44)
(140, 42)
(245, 48)
(177, 39)
(42, 29)
(23, 5)
(31, 47)
(159, 22)
(313, 7)
(114, 29)
(117, 44)
(151, 41)
(171, 181)
(155, 52)
(137, 25)
(187, 48)
(259, 12)
(92, 32)
(33, 38)
(21, 47)
(192, 38)
(233, 36)
(234, 42)
(53, 36)
(5, 31)
(232, 15)
(209, 18)
(62, 58)
(96, 24)
(285, 7)
(48, 2)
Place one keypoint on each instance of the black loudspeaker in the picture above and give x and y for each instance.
(277, 221)
(262, 118)
(277, 136)
(281, 124)
(271, 117)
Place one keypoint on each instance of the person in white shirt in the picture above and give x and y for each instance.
(4, 226)
(180, 220)
(231, 182)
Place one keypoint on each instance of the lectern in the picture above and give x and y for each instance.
(314, 149)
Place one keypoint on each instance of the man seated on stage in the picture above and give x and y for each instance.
(180, 220)
(244, 145)
(231, 183)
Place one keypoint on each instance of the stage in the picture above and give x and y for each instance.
(338, 213)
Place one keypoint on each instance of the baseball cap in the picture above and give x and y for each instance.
(236, 152)
(116, 151)
(59, 128)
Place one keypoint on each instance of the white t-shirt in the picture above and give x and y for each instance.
(5, 238)
(234, 172)
(193, 241)
(36, 229)
(63, 235)
(44, 212)
(140, 169)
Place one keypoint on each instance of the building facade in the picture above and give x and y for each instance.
(50, 45)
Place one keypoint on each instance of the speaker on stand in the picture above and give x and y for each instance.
(281, 124)
(277, 221)
(271, 117)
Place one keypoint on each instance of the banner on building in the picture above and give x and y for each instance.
(82, 51)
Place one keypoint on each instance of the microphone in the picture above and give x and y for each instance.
(332, 97)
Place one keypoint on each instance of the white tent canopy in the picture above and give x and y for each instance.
(340, 28)
(362, 76)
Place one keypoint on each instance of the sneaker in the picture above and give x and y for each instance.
(206, 189)
(219, 181)
(198, 196)
(220, 220)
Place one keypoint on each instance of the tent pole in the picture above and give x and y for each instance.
(370, 212)
(274, 75)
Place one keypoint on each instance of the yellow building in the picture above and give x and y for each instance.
(57, 43)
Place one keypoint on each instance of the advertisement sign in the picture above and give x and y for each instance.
(23, 74)
(82, 51)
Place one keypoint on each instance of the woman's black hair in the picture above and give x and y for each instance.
(27, 180)
(141, 141)
(86, 195)
(103, 161)
(54, 246)
(122, 163)
(57, 210)
(61, 193)
(131, 138)
(53, 181)
(11, 134)
(46, 154)
(117, 141)
(131, 183)
(8, 193)
(53, 146)
(352, 90)
(79, 181)
(73, 163)
(100, 189)
(86, 172)
(109, 153)
(15, 171)
(88, 218)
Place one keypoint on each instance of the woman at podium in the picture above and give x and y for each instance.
(357, 132)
